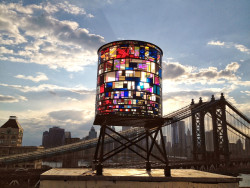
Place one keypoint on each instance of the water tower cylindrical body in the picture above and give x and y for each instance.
(129, 83)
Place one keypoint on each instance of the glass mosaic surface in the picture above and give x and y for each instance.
(129, 79)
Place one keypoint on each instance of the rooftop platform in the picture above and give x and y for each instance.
(134, 178)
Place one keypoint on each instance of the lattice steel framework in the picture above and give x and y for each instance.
(217, 110)
(130, 143)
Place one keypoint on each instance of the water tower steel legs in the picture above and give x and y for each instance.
(149, 135)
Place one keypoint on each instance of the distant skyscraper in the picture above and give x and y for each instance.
(182, 137)
(45, 142)
(189, 145)
(239, 146)
(209, 141)
(179, 138)
(247, 146)
(67, 134)
(92, 133)
(55, 137)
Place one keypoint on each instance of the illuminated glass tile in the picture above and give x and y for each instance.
(142, 52)
(155, 89)
(158, 90)
(110, 77)
(118, 84)
(146, 52)
(160, 73)
(143, 77)
(148, 66)
(116, 64)
(125, 93)
(102, 88)
(129, 73)
(146, 85)
(109, 84)
(122, 52)
(137, 74)
(122, 94)
(108, 66)
(157, 80)
(137, 49)
(153, 67)
(112, 52)
(122, 64)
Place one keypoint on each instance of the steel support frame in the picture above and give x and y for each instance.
(149, 135)
(222, 136)
(198, 132)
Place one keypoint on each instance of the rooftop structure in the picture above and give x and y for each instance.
(11, 133)
(129, 94)
(129, 84)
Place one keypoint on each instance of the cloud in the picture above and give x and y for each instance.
(50, 87)
(179, 73)
(45, 39)
(66, 7)
(246, 92)
(239, 47)
(242, 48)
(216, 43)
(40, 77)
(67, 115)
(11, 99)
(4, 50)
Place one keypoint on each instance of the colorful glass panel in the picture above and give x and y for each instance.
(129, 79)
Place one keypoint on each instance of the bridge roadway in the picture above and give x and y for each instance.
(176, 116)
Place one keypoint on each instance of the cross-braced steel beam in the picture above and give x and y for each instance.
(149, 135)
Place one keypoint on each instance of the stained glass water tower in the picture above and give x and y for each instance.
(129, 93)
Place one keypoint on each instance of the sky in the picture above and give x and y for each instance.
(48, 55)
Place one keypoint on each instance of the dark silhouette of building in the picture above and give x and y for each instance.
(71, 140)
(209, 140)
(179, 138)
(67, 134)
(247, 146)
(55, 137)
(189, 144)
(11, 133)
(92, 134)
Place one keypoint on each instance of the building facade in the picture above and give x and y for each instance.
(53, 138)
(11, 133)
(11, 136)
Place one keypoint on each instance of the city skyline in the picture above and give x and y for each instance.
(48, 56)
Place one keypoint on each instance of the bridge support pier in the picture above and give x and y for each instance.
(198, 131)
(217, 110)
